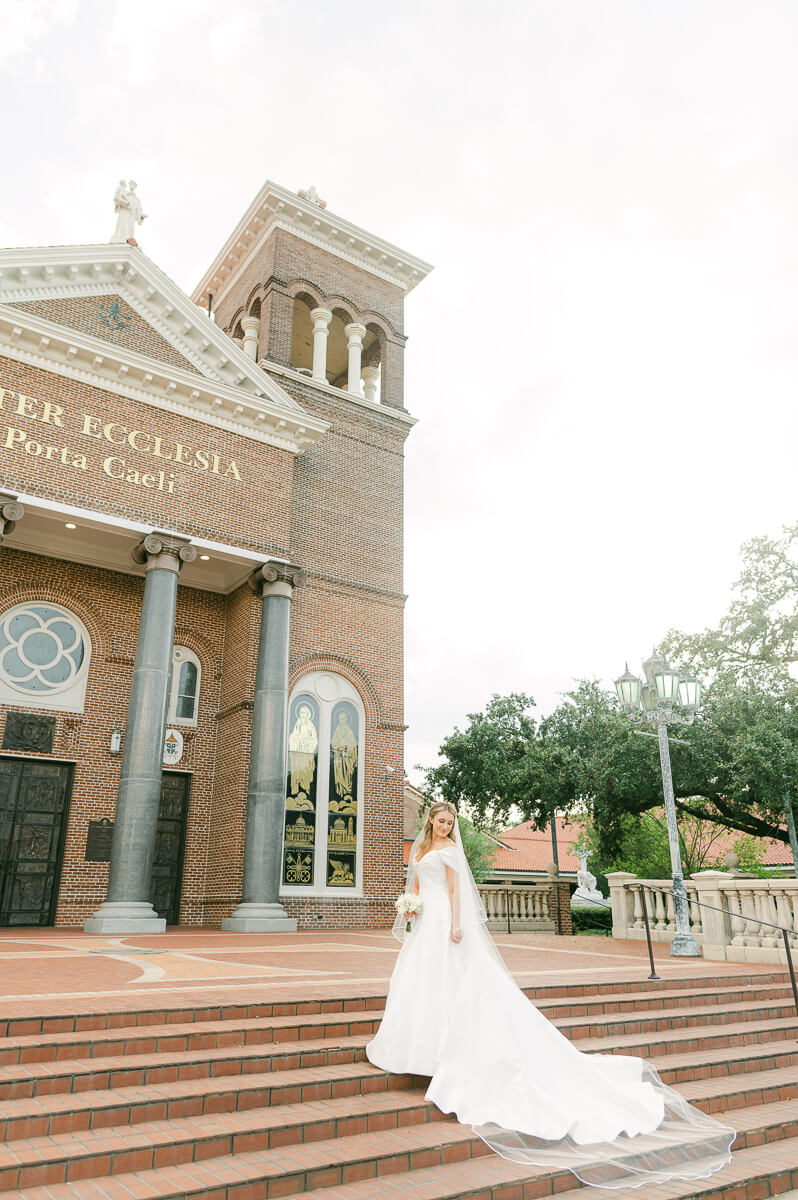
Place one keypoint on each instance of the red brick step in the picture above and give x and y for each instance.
(752, 1175)
(189, 1035)
(269, 1174)
(43, 1116)
(163, 1014)
(23, 1080)
(155, 1144)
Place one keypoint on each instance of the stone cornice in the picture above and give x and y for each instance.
(319, 385)
(275, 207)
(54, 272)
(27, 338)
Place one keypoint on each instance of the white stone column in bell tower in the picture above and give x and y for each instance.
(355, 334)
(251, 327)
(321, 318)
(371, 376)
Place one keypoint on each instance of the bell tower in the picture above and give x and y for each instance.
(304, 290)
(318, 304)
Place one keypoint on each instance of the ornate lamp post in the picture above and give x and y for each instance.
(653, 702)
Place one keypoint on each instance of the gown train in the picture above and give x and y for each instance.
(454, 1013)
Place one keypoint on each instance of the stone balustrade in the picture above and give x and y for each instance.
(740, 932)
(531, 907)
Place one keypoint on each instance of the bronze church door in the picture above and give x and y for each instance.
(170, 840)
(34, 801)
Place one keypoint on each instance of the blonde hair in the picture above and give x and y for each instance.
(426, 839)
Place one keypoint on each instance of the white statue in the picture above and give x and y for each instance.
(313, 196)
(586, 894)
(129, 212)
(585, 878)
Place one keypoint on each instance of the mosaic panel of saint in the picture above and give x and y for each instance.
(342, 802)
(300, 798)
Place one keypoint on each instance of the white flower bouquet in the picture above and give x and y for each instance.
(406, 904)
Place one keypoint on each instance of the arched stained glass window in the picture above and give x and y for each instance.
(322, 851)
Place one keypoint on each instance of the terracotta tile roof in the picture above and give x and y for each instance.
(526, 849)
(529, 849)
(523, 848)
(533, 848)
(778, 854)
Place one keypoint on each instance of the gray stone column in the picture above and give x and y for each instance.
(260, 910)
(127, 908)
(11, 511)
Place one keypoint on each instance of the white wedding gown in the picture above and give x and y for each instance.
(454, 1013)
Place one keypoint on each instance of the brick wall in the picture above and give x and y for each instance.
(109, 605)
(253, 512)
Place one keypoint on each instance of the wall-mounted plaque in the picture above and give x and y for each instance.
(172, 747)
(98, 840)
(29, 731)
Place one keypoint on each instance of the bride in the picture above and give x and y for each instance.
(454, 1013)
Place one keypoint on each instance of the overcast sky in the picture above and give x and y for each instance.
(604, 362)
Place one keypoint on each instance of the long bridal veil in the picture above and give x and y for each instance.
(533, 1097)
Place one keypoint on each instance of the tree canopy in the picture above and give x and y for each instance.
(742, 754)
(740, 761)
(756, 641)
(644, 848)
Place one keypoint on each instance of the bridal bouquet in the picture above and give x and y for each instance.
(407, 903)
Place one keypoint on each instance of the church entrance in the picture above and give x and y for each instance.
(34, 802)
(170, 841)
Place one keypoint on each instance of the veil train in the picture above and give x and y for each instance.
(533, 1097)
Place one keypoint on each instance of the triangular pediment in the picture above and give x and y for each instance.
(112, 318)
(57, 310)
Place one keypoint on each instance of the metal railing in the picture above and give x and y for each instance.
(642, 888)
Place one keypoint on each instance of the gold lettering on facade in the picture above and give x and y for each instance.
(90, 426)
(54, 413)
(25, 406)
(117, 468)
(46, 412)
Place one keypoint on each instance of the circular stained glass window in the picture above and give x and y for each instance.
(42, 648)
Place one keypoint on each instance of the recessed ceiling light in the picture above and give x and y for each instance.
(70, 525)
(205, 557)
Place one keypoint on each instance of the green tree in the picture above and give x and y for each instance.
(741, 754)
(485, 767)
(478, 848)
(644, 847)
(756, 641)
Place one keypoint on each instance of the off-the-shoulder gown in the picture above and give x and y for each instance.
(454, 1013)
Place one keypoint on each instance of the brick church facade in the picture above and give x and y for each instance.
(201, 605)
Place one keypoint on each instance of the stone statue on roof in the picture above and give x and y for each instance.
(129, 212)
(313, 196)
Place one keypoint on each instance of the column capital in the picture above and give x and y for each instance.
(11, 511)
(164, 551)
(250, 324)
(277, 579)
(355, 332)
(320, 317)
